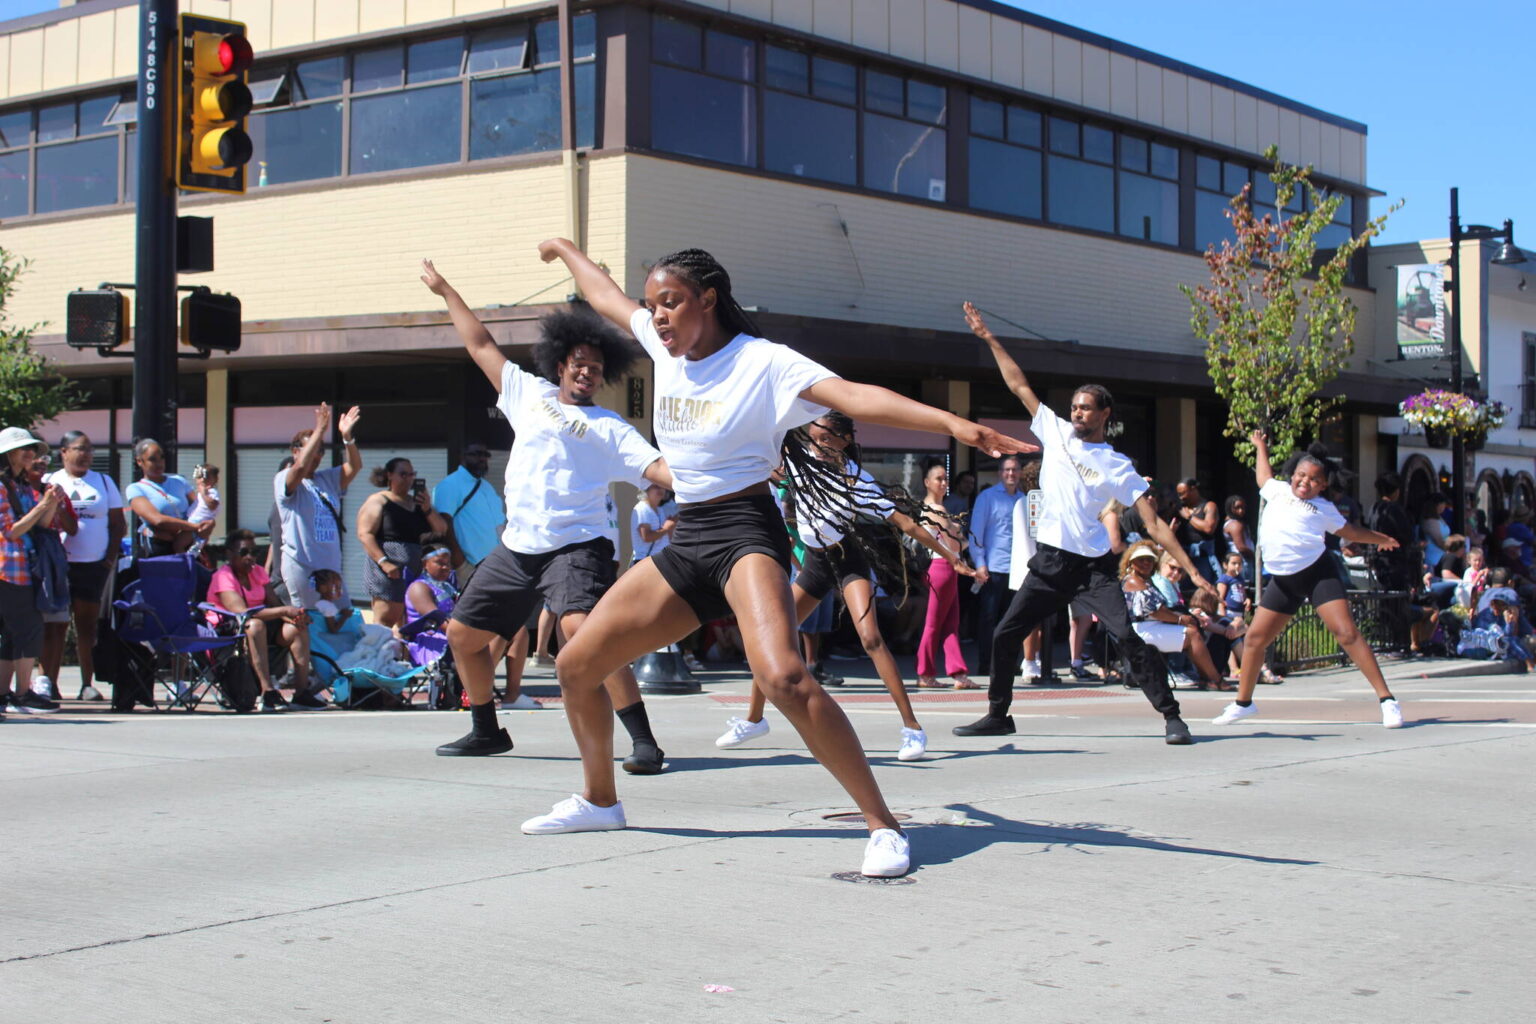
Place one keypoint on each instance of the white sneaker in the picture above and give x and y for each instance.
(887, 855)
(576, 815)
(522, 703)
(1234, 712)
(43, 687)
(740, 731)
(694, 665)
(1391, 714)
(914, 744)
(91, 693)
(1031, 669)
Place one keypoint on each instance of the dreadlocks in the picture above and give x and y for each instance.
(703, 271)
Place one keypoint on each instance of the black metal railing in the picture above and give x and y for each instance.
(1380, 615)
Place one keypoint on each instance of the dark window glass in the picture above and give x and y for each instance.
(1208, 173)
(319, 79)
(677, 42)
(130, 166)
(1024, 126)
(584, 36)
(731, 56)
(1149, 208)
(514, 114)
(786, 69)
(1211, 223)
(1133, 153)
(884, 93)
(15, 128)
(986, 117)
(1345, 214)
(1263, 190)
(1081, 194)
(56, 122)
(1065, 137)
(416, 128)
(1331, 237)
(904, 158)
(834, 80)
(586, 105)
(1005, 178)
(810, 139)
(93, 114)
(13, 184)
(433, 60)
(1098, 144)
(546, 42)
(697, 115)
(77, 175)
(377, 69)
(1233, 177)
(296, 143)
(1165, 161)
(926, 102)
(499, 49)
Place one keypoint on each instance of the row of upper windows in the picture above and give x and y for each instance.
(731, 99)
(384, 108)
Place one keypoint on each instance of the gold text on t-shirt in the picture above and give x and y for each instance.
(686, 414)
(574, 427)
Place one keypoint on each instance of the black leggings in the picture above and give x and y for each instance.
(1057, 578)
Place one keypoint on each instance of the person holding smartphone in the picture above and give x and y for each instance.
(390, 526)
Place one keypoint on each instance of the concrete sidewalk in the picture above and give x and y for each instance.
(1305, 864)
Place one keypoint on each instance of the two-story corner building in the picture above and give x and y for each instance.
(861, 167)
(1498, 335)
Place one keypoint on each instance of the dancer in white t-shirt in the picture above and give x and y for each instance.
(557, 548)
(1293, 528)
(1079, 475)
(724, 400)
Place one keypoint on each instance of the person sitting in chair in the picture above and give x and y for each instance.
(242, 585)
(429, 600)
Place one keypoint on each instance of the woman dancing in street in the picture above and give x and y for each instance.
(1292, 528)
(834, 559)
(725, 397)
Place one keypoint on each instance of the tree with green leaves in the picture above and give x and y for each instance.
(1276, 323)
(31, 390)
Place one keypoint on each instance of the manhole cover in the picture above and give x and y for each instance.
(855, 818)
(854, 876)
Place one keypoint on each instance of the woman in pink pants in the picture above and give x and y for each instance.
(941, 628)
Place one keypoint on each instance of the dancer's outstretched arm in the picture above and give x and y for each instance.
(868, 403)
(591, 280)
(1261, 468)
(482, 347)
(1012, 375)
(1360, 535)
(1164, 535)
(920, 533)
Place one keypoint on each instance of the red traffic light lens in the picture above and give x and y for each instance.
(234, 54)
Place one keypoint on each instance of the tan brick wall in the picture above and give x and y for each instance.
(346, 250)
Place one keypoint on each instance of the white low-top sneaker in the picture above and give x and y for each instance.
(1234, 712)
(887, 854)
(914, 744)
(576, 815)
(1391, 714)
(739, 731)
(522, 703)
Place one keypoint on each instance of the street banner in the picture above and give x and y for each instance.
(1420, 311)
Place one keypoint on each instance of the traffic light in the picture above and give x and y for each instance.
(212, 147)
(210, 321)
(96, 318)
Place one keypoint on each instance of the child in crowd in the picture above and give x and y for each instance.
(1223, 633)
(1475, 580)
(205, 505)
(1507, 617)
(1230, 588)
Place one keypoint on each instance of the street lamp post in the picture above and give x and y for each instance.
(1508, 254)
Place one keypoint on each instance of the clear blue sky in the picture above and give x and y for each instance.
(1443, 87)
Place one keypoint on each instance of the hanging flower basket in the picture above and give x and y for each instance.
(1444, 414)
(1437, 437)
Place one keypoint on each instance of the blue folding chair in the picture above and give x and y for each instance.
(160, 610)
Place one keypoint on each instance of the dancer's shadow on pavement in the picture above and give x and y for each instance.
(1416, 723)
(934, 759)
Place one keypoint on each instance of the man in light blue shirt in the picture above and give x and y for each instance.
(473, 507)
(991, 550)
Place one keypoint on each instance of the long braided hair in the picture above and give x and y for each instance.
(702, 270)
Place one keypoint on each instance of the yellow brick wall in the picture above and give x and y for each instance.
(344, 251)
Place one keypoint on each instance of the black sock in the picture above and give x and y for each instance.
(1244, 703)
(1387, 698)
(482, 718)
(637, 723)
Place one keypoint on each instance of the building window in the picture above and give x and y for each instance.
(60, 156)
(1528, 383)
(394, 128)
(1006, 166)
(1081, 175)
(703, 102)
(1216, 183)
(300, 138)
(904, 136)
(1149, 190)
(810, 123)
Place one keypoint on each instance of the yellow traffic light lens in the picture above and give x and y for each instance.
(224, 148)
(221, 101)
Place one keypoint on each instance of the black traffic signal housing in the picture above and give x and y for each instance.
(212, 147)
(210, 321)
(96, 318)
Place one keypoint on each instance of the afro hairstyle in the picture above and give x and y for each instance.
(579, 324)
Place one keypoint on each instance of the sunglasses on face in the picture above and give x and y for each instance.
(244, 551)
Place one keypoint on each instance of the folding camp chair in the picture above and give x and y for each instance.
(360, 687)
(159, 611)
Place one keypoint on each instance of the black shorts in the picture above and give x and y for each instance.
(508, 586)
(87, 580)
(708, 542)
(21, 624)
(825, 568)
(1318, 583)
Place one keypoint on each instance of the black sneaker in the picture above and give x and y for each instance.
(988, 725)
(475, 745)
(647, 759)
(36, 703)
(1079, 672)
(1176, 733)
(272, 703)
(306, 701)
(825, 677)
